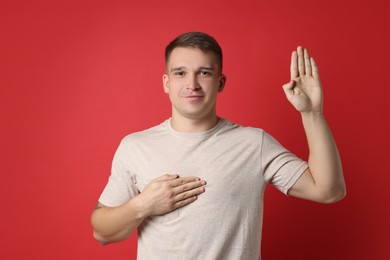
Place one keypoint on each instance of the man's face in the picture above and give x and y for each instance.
(193, 81)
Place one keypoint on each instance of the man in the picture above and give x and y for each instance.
(193, 186)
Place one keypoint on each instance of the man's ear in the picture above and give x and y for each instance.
(166, 83)
(222, 82)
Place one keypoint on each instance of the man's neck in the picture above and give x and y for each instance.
(193, 125)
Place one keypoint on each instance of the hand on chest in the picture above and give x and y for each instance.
(228, 169)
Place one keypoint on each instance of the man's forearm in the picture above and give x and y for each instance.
(114, 224)
(324, 159)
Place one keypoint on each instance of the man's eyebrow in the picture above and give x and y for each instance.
(206, 68)
(180, 68)
(177, 68)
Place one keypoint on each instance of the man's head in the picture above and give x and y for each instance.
(199, 40)
(193, 76)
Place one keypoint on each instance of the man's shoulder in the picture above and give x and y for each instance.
(241, 129)
(149, 133)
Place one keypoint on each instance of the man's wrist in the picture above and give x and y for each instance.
(312, 115)
(138, 207)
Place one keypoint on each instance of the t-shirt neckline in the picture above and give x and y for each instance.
(202, 134)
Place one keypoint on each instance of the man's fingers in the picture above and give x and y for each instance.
(289, 88)
(314, 67)
(167, 177)
(306, 56)
(184, 202)
(294, 65)
(188, 194)
(289, 85)
(301, 62)
(183, 180)
(189, 186)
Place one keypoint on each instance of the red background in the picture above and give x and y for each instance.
(77, 76)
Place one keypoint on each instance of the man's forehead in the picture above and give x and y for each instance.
(190, 56)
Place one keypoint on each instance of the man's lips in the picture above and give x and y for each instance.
(193, 97)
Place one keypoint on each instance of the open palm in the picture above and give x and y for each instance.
(304, 90)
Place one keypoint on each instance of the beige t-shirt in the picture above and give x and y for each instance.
(226, 220)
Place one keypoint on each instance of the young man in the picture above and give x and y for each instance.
(193, 186)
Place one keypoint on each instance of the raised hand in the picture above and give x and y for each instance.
(170, 192)
(304, 91)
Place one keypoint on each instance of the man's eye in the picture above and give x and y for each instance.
(179, 73)
(204, 73)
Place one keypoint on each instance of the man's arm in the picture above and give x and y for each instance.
(323, 181)
(160, 196)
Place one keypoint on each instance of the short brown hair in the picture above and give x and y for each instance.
(198, 40)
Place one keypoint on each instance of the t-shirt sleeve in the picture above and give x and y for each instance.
(121, 185)
(280, 167)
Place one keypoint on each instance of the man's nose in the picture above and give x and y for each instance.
(193, 83)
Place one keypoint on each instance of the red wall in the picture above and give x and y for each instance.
(76, 76)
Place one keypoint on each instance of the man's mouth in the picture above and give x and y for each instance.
(193, 97)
